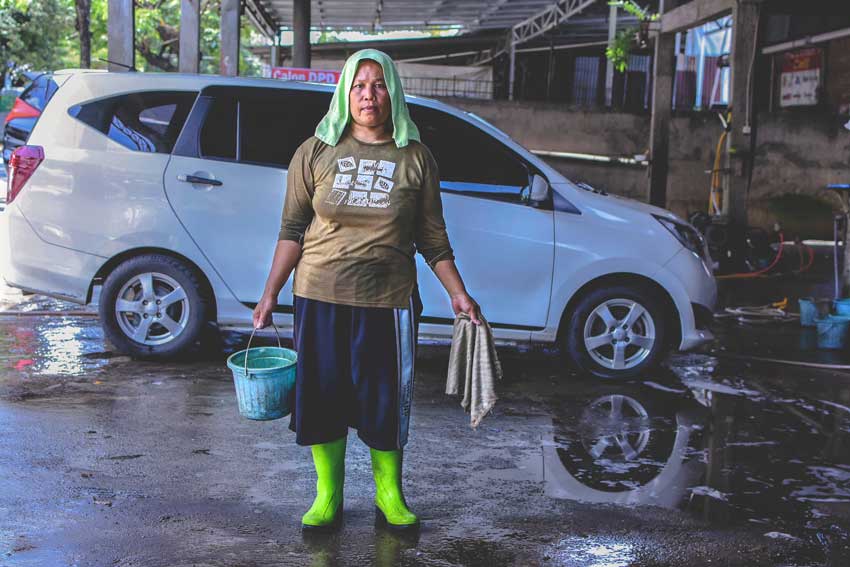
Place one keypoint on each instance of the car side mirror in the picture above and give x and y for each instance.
(539, 191)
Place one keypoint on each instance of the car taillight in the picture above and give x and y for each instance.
(22, 165)
(22, 109)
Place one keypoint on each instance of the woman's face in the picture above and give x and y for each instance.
(368, 99)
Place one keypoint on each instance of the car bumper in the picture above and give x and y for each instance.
(29, 263)
(694, 291)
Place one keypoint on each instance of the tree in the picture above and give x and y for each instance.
(52, 34)
(33, 35)
(83, 27)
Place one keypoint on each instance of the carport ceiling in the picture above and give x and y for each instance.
(372, 15)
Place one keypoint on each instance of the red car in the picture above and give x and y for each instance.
(27, 108)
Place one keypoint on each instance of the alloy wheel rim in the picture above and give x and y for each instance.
(152, 309)
(619, 334)
(620, 427)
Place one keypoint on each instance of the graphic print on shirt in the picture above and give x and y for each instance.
(370, 186)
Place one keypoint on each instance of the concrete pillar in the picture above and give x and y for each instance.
(274, 56)
(190, 33)
(301, 33)
(512, 64)
(121, 36)
(662, 104)
(609, 67)
(739, 141)
(229, 62)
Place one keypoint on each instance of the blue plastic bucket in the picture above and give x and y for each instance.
(808, 312)
(264, 377)
(808, 338)
(811, 310)
(841, 307)
(832, 332)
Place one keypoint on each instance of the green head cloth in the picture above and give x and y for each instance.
(331, 127)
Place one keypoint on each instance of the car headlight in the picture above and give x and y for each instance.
(687, 235)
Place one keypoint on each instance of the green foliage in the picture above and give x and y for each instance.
(33, 34)
(633, 8)
(41, 34)
(618, 51)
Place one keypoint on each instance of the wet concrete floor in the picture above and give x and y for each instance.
(107, 461)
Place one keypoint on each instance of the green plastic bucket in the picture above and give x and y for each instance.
(264, 377)
(832, 331)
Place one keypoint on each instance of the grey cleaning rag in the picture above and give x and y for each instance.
(474, 364)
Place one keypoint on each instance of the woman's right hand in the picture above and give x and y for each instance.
(263, 312)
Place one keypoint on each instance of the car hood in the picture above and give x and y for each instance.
(612, 203)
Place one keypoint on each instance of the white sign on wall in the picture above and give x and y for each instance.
(800, 78)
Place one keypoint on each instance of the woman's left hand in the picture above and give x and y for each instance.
(463, 303)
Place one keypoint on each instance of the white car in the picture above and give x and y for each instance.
(167, 191)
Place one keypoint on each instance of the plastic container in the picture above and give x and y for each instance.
(841, 307)
(832, 331)
(808, 312)
(808, 338)
(264, 377)
(812, 309)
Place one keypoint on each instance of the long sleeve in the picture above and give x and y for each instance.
(431, 238)
(298, 203)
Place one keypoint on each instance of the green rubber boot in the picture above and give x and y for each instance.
(391, 509)
(326, 512)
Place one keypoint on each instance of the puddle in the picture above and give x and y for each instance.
(727, 450)
(593, 552)
(60, 346)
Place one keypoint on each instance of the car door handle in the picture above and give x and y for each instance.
(199, 180)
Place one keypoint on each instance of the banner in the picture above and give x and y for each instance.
(300, 74)
(800, 78)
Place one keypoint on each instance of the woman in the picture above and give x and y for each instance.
(362, 196)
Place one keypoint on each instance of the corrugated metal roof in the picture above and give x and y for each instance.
(372, 15)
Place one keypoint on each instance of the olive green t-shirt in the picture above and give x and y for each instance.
(360, 212)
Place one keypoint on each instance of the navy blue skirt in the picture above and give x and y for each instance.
(355, 369)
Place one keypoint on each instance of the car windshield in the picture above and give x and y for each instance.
(490, 124)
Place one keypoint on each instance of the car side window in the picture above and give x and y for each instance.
(218, 134)
(35, 94)
(274, 122)
(470, 161)
(143, 122)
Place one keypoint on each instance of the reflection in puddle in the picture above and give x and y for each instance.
(60, 349)
(728, 451)
(594, 552)
(52, 346)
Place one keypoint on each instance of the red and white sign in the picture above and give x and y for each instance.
(300, 74)
(801, 76)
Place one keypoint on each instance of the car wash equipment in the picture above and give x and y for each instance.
(839, 228)
(390, 507)
(832, 332)
(812, 309)
(326, 512)
(264, 378)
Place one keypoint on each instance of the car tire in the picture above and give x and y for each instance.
(153, 306)
(616, 331)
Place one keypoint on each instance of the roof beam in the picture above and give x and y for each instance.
(547, 19)
(694, 14)
(261, 19)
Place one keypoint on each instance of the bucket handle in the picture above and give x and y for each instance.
(252, 338)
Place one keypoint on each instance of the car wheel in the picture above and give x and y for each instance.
(152, 306)
(616, 332)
